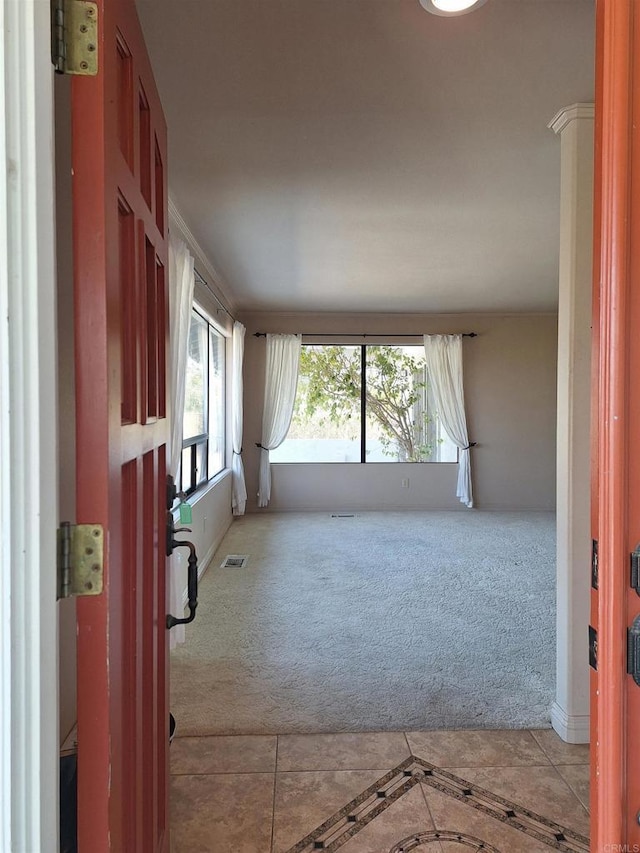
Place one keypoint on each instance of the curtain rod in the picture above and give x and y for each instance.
(214, 294)
(362, 335)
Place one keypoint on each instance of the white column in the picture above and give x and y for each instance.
(570, 712)
(28, 638)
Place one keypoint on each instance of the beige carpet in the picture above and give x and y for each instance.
(382, 622)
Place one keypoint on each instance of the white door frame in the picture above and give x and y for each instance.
(28, 440)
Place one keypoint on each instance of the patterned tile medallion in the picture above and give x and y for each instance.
(373, 801)
(426, 840)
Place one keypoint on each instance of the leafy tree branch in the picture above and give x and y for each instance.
(330, 388)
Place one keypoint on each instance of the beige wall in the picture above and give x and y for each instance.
(510, 389)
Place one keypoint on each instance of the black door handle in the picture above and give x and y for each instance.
(192, 572)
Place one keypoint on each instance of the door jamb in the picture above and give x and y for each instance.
(28, 439)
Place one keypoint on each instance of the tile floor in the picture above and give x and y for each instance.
(429, 792)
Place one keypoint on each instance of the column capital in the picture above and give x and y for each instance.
(568, 114)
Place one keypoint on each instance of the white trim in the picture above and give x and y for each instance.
(28, 489)
(574, 126)
(215, 281)
(568, 114)
(572, 729)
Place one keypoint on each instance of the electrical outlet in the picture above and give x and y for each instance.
(405, 483)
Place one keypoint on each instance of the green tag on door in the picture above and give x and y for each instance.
(186, 515)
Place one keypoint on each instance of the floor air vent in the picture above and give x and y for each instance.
(234, 561)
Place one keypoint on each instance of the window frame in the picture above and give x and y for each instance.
(363, 416)
(202, 441)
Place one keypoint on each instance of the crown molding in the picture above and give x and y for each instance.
(215, 280)
(568, 114)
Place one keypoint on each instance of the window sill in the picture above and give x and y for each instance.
(363, 463)
(203, 491)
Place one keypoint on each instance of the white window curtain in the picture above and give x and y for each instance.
(181, 286)
(281, 382)
(238, 488)
(444, 366)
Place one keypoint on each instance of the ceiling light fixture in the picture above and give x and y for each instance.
(450, 8)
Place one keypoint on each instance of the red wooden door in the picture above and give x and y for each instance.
(120, 259)
(615, 695)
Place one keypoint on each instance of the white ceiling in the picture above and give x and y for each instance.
(364, 155)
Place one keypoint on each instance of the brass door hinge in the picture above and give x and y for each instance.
(74, 37)
(80, 559)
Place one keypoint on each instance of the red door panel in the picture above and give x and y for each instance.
(615, 697)
(120, 256)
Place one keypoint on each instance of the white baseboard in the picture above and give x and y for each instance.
(571, 728)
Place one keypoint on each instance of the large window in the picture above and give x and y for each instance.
(203, 436)
(364, 404)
